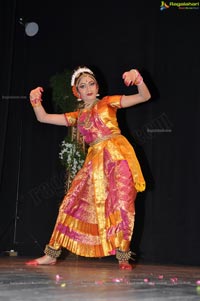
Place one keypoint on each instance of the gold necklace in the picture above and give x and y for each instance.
(87, 122)
(90, 105)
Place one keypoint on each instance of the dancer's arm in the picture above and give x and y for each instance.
(41, 114)
(133, 77)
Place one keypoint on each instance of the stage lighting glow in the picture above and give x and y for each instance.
(31, 29)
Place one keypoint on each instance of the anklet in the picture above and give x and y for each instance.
(125, 256)
(52, 252)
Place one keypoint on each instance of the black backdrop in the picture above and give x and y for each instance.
(112, 37)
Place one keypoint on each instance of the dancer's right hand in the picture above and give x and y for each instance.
(36, 94)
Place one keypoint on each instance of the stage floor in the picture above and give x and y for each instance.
(79, 279)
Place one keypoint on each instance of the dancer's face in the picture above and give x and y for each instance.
(87, 88)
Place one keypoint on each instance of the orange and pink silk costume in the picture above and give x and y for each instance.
(97, 214)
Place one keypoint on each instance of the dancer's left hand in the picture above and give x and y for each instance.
(129, 77)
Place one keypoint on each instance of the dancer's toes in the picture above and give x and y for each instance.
(32, 262)
(45, 260)
(125, 266)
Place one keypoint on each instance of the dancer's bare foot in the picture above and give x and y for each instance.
(45, 260)
(125, 265)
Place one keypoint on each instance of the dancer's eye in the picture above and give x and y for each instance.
(82, 86)
(92, 84)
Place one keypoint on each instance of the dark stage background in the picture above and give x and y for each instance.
(112, 37)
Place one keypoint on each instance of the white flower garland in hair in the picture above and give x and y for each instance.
(78, 71)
